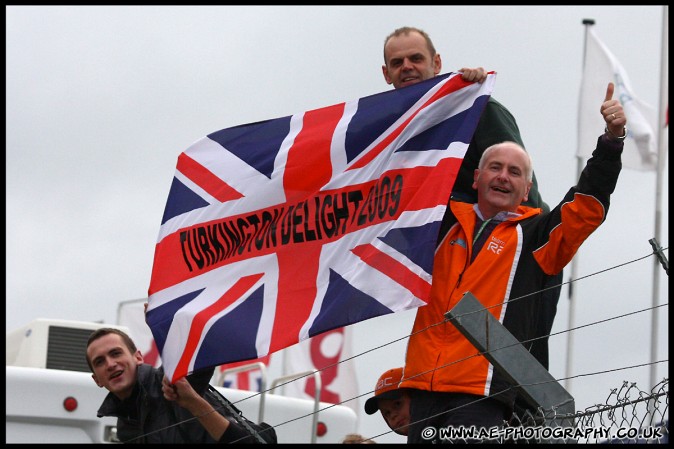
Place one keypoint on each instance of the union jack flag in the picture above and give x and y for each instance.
(280, 230)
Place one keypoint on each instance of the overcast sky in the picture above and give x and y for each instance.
(101, 100)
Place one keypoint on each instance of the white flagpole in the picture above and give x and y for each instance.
(659, 168)
(574, 265)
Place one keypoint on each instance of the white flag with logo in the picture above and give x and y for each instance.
(602, 67)
(330, 353)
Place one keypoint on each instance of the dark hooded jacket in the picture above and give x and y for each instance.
(147, 417)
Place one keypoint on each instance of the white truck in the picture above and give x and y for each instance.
(51, 397)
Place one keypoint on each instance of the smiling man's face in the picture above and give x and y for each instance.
(502, 181)
(114, 366)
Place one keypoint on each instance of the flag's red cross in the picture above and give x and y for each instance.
(308, 166)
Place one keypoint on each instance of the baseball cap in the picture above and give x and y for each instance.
(386, 388)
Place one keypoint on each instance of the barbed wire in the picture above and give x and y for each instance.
(367, 393)
(530, 417)
(445, 320)
(529, 427)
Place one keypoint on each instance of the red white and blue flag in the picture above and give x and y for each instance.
(280, 230)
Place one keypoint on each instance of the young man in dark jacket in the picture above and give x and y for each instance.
(144, 414)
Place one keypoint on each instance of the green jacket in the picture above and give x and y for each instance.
(496, 125)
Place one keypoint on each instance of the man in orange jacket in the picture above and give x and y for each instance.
(499, 250)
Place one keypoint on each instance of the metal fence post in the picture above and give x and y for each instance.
(506, 353)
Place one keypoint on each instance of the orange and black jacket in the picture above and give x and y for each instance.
(517, 258)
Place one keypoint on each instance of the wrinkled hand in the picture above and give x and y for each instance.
(477, 74)
(613, 113)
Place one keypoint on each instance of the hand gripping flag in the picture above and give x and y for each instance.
(280, 230)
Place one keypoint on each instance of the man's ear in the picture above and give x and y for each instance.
(437, 63)
(139, 357)
(384, 70)
(526, 193)
(476, 173)
(93, 376)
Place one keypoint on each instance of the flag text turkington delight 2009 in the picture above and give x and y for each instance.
(280, 230)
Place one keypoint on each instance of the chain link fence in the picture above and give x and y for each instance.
(630, 416)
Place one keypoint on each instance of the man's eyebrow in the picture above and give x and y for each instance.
(111, 350)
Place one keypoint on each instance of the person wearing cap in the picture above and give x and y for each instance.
(392, 401)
